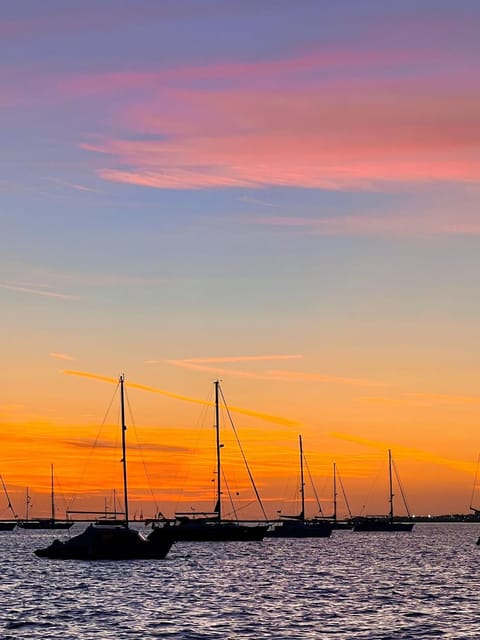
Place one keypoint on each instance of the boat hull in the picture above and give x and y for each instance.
(201, 531)
(110, 543)
(45, 524)
(300, 529)
(379, 524)
(7, 526)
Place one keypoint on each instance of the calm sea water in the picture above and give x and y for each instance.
(373, 585)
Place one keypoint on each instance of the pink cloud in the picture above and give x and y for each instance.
(387, 115)
(337, 138)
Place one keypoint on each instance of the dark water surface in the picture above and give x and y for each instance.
(425, 584)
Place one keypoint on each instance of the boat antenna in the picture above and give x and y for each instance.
(8, 498)
(218, 506)
(124, 447)
(302, 482)
(390, 483)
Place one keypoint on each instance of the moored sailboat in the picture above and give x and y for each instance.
(299, 526)
(44, 523)
(212, 527)
(106, 542)
(335, 522)
(388, 522)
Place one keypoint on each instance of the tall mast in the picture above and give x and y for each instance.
(27, 504)
(334, 491)
(218, 506)
(124, 447)
(52, 496)
(391, 483)
(302, 483)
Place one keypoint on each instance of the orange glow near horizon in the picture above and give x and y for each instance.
(172, 468)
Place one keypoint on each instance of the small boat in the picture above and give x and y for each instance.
(44, 523)
(107, 542)
(211, 527)
(298, 526)
(384, 523)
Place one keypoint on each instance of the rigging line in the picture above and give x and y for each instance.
(313, 486)
(60, 491)
(474, 484)
(401, 489)
(243, 456)
(8, 498)
(142, 457)
(87, 462)
(184, 470)
(229, 495)
(246, 505)
(344, 493)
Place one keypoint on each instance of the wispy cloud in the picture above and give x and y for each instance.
(232, 359)
(408, 452)
(38, 292)
(389, 224)
(203, 364)
(399, 131)
(257, 201)
(420, 400)
(29, 276)
(60, 356)
(73, 185)
(248, 412)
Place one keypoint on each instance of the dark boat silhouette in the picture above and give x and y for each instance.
(107, 542)
(211, 527)
(45, 523)
(388, 522)
(298, 526)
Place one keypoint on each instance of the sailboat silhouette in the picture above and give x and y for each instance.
(212, 527)
(106, 542)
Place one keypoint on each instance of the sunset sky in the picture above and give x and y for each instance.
(283, 195)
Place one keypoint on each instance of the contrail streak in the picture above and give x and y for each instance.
(177, 396)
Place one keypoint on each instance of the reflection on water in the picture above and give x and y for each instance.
(375, 585)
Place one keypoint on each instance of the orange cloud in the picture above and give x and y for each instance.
(420, 399)
(176, 396)
(198, 365)
(61, 356)
(409, 452)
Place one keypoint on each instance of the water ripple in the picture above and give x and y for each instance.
(374, 586)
